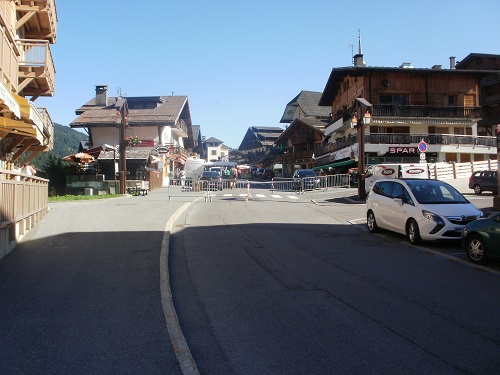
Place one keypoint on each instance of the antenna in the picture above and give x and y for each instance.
(120, 93)
(351, 46)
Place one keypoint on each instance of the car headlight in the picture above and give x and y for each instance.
(433, 217)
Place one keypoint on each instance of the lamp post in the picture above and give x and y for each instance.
(360, 127)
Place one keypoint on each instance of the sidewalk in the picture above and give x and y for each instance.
(81, 292)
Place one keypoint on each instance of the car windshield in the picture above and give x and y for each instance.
(435, 192)
(306, 173)
(210, 174)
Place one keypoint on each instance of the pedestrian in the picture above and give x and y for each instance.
(234, 176)
(182, 176)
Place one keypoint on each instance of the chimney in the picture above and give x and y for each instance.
(101, 95)
(452, 62)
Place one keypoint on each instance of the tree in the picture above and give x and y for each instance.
(56, 170)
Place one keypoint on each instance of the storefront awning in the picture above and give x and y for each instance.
(335, 165)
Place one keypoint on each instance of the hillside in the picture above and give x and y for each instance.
(66, 142)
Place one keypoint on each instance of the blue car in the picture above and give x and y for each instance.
(481, 239)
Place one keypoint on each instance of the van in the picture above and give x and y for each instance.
(194, 168)
(376, 172)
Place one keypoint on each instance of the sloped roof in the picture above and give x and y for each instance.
(213, 140)
(258, 136)
(154, 110)
(308, 102)
(337, 76)
(315, 124)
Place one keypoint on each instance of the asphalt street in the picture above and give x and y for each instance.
(84, 292)
(81, 293)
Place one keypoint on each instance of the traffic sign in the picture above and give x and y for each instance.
(422, 147)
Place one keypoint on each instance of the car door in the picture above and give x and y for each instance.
(397, 208)
(383, 203)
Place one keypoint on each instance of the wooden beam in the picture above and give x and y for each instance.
(24, 19)
(23, 84)
(30, 8)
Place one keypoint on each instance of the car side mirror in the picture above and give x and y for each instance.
(399, 200)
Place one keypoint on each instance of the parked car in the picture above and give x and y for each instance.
(481, 239)
(421, 209)
(213, 178)
(484, 181)
(305, 178)
(268, 174)
(258, 172)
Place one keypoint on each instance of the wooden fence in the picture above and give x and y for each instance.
(447, 171)
(23, 203)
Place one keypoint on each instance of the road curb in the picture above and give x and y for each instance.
(180, 346)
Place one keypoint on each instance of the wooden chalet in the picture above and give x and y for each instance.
(258, 142)
(407, 105)
(162, 124)
(305, 133)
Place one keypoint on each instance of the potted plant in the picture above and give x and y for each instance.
(132, 140)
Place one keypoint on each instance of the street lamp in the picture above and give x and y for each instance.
(360, 127)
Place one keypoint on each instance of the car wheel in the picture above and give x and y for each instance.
(475, 249)
(477, 189)
(413, 232)
(371, 223)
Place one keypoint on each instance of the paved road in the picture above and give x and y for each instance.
(81, 292)
(274, 285)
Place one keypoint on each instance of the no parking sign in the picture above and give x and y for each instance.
(422, 147)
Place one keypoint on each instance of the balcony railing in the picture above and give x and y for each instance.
(180, 129)
(400, 139)
(36, 54)
(425, 111)
(179, 151)
(23, 203)
(9, 63)
(48, 127)
(295, 157)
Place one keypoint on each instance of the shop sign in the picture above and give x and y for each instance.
(403, 150)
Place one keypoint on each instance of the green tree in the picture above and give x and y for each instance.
(56, 170)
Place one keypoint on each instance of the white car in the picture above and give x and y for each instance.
(421, 209)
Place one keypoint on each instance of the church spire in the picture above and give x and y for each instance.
(358, 58)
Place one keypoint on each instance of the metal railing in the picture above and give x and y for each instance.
(191, 189)
(310, 184)
(23, 203)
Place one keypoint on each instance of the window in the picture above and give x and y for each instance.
(384, 188)
(452, 101)
(213, 152)
(396, 100)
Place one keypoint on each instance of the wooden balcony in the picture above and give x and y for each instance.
(295, 157)
(180, 129)
(9, 61)
(36, 68)
(23, 203)
(39, 19)
(425, 111)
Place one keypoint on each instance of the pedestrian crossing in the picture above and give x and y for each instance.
(254, 196)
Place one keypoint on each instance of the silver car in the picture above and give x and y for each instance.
(422, 209)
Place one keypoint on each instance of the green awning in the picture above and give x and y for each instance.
(334, 165)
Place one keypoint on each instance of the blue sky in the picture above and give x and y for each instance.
(240, 62)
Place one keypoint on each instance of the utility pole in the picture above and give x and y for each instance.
(123, 109)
